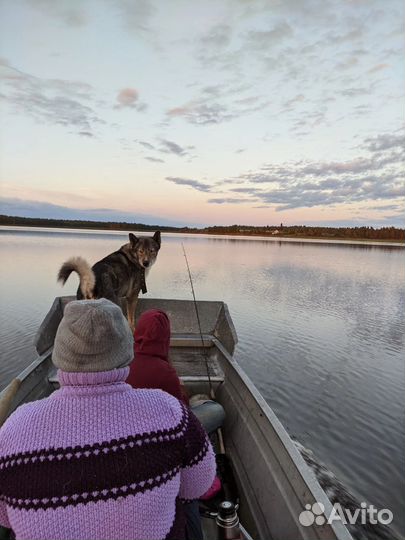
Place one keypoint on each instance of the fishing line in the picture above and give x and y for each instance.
(199, 324)
(222, 458)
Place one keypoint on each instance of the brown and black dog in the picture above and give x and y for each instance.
(120, 274)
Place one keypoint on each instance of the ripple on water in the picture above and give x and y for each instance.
(320, 327)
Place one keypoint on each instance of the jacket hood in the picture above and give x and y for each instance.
(152, 334)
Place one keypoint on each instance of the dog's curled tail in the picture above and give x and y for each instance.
(86, 275)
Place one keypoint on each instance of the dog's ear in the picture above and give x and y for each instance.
(156, 237)
(133, 239)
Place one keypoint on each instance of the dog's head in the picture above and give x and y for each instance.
(145, 248)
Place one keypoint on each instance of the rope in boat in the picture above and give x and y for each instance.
(199, 325)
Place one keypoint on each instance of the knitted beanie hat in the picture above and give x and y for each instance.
(92, 336)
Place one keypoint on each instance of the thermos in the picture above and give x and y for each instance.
(228, 522)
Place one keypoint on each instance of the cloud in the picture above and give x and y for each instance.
(227, 200)
(350, 35)
(5, 63)
(297, 99)
(347, 64)
(13, 191)
(199, 186)
(154, 159)
(353, 92)
(302, 195)
(128, 98)
(213, 91)
(379, 175)
(248, 190)
(165, 146)
(390, 207)
(53, 101)
(310, 11)
(204, 111)
(173, 148)
(145, 144)
(336, 51)
(385, 141)
(218, 36)
(40, 209)
(321, 169)
(212, 46)
(170, 147)
(297, 171)
(258, 177)
(71, 13)
(56, 110)
(214, 49)
(264, 39)
(378, 67)
(136, 14)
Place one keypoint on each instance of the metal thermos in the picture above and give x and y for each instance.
(228, 522)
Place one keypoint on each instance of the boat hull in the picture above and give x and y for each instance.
(274, 482)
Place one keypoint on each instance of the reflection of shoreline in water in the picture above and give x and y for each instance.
(365, 243)
(338, 493)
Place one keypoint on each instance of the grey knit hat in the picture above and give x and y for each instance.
(93, 335)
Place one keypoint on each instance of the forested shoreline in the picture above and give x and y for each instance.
(388, 234)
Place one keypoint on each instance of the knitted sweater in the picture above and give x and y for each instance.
(100, 460)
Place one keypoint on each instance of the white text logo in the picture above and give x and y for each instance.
(315, 514)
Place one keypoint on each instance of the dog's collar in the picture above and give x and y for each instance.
(142, 269)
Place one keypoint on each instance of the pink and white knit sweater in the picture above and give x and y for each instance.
(100, 460)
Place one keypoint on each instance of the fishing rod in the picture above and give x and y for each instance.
(205, 355)
(225, 471)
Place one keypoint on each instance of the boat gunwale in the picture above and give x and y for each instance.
(318, 494)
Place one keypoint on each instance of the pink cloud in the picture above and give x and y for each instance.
(127, 97)
(378, 67)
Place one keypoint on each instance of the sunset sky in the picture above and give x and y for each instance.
(201, 113)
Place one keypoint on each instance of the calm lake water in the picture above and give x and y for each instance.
(320, 327)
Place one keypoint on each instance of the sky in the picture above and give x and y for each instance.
(177, 112)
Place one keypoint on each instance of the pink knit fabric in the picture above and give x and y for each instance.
(100, 460)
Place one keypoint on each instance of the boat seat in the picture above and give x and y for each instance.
(190, 363)
(193, 361)
(191, 367)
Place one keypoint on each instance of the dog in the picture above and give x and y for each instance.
(120, 274)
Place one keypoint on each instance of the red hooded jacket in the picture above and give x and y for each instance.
(150, 367)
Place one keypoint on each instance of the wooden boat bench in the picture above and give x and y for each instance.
(190, 359)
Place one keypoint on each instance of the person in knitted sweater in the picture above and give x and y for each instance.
(98, 459)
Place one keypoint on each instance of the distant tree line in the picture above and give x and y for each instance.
(84, 224)
(359, 233)
(297, 231)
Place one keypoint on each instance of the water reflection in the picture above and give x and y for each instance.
(320, 326)
(224, 239)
